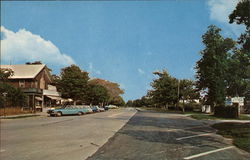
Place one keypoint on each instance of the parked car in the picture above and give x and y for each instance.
(95, 109)
(106, 108)
(101, 109)
(88, 108)
(68, 110)
(112, 107)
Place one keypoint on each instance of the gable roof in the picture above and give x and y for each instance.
(25, 71)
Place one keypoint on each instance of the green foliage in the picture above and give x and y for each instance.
(187, 90)
(164, 89)
(118, 101)
(241, 15)
(97, 94)
(14, 97)
(5, 74)
(129, 103)
(238, 80)
(239, 74)
(226, 111)
(73, 83)
(239, 132)
(212, 67)
(114, 90)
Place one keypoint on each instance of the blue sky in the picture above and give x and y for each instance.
(123, 42)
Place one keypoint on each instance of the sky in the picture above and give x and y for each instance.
(120, 41)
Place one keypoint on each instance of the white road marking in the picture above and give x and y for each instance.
(114, 115)
(198, 135)
(2, 150)
(209, 152)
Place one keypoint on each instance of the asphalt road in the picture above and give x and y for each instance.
(59, 138)
(158, 136)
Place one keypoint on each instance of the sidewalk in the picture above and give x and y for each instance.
(24, 115)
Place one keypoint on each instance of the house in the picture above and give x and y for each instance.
(236, 101)
(35, 81)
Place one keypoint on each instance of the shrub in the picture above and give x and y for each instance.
(14, 98)
(226, 111)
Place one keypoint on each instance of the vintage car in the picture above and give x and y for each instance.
(69, 110)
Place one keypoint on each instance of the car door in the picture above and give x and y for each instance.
(68, 110)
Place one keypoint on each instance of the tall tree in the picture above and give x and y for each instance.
(213, 65)
(97, 94)
(187, 91)
(164, 89)
(239, 79)
(241, 15)
(113, 89)
(73, 83)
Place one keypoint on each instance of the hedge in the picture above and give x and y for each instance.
(226, 111)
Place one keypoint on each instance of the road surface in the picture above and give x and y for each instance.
(164, 136)
(121, 134)
(59, 138)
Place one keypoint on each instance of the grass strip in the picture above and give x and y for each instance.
(239, 132)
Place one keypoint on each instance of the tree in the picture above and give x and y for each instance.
(97, 94)
(113, 89)
(118, 101)
(164, 89)
(14, 97)
(73, 83)
(239, 77)
(5, 73)
(213, 65)
(187, 91)
(241, 15)
(129, 103)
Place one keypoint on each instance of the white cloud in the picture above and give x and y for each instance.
(220, 10)
(141, 71)
(24, 46)
(93, 70)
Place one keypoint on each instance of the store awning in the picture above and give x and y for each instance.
(39, 98)
(54, 97)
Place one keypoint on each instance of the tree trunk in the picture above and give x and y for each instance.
(183, 106)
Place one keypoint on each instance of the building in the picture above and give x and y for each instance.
(236, 101)
(35, 81)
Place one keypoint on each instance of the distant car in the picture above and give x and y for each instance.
(106, 108)
(95, 109)
(101, 109)
(88, 109)
(68, 110)
(112, 107)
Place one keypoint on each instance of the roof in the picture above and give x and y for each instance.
(25, 71)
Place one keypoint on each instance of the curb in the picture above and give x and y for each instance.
(20, 116)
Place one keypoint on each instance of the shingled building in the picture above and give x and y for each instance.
(34, 80)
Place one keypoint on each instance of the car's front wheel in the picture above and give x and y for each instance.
(80, 113)
(59, 114)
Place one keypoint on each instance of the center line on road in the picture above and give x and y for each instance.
(209, 152)
(198, 135)
(114, 115)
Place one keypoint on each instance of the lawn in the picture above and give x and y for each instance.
(203, 116)
(239, 132)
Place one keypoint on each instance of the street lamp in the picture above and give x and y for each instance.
(4, 103)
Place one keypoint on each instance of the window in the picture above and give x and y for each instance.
(22, 83)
